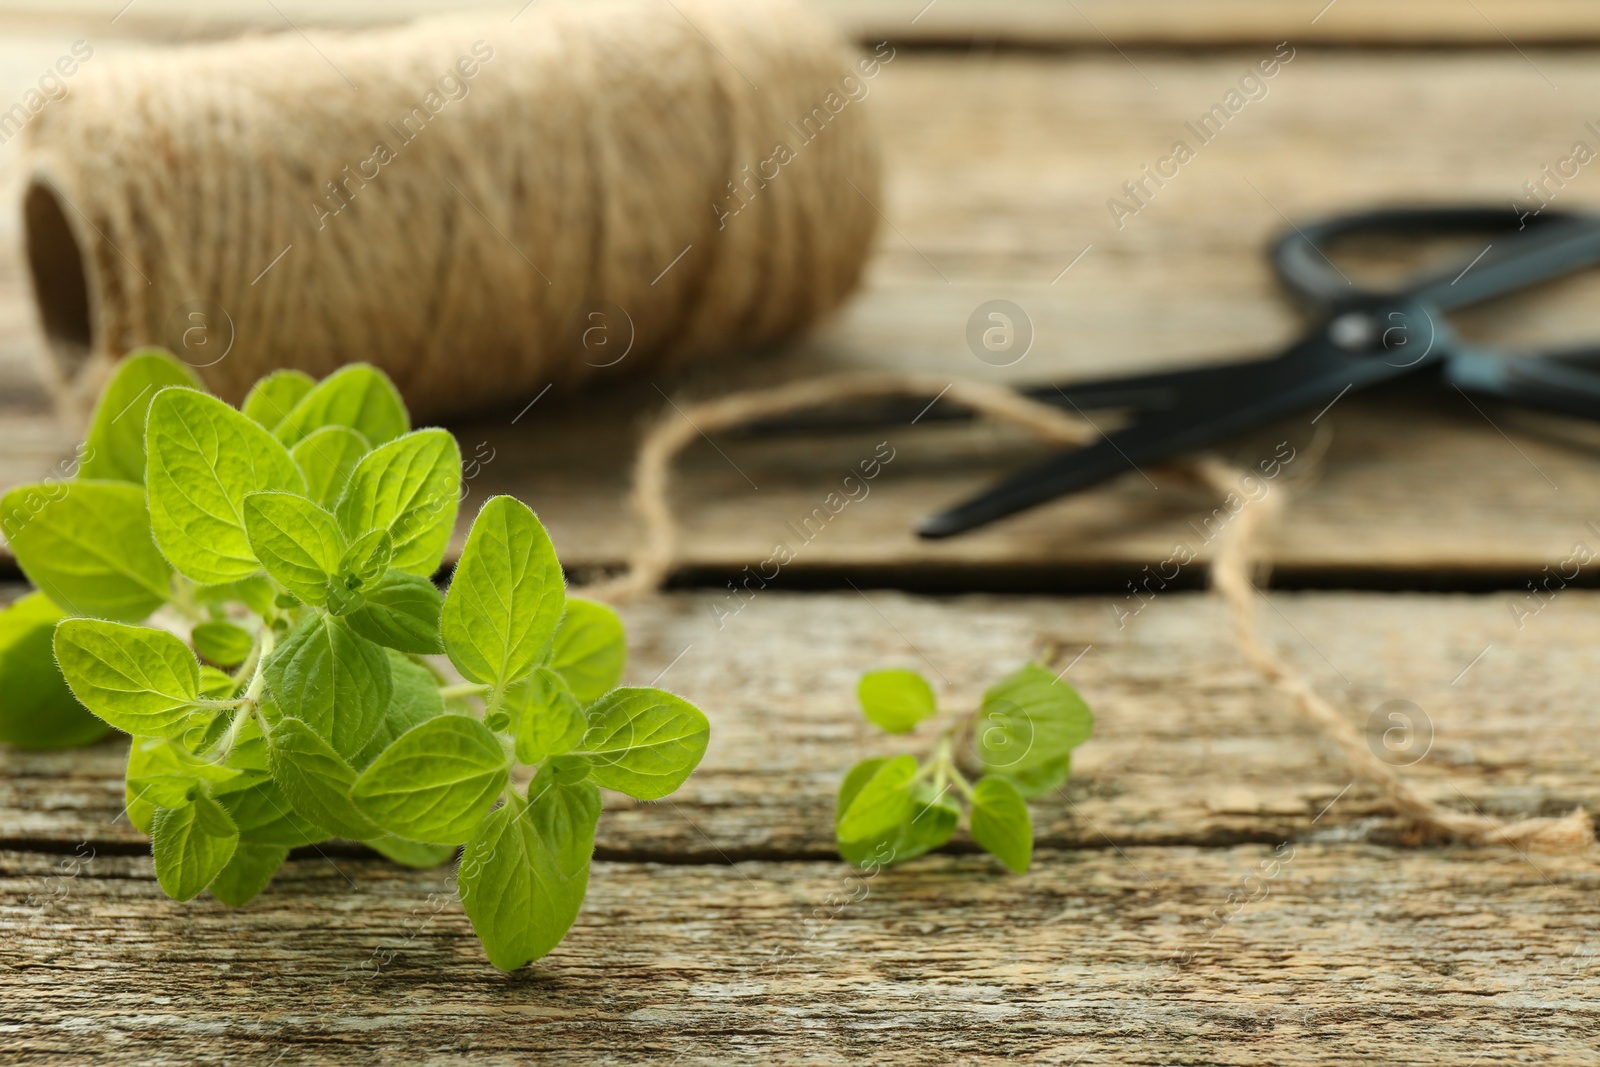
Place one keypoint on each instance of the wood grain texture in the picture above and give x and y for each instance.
(1207, 890)
(1189, 748)
(999, 172)
(1307, 954)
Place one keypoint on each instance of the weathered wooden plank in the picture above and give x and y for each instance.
(1305, 954)
(1188, 747)
(998, 196)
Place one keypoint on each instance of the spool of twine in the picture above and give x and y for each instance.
(479, 206)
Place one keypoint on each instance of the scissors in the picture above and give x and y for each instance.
(1359, 338)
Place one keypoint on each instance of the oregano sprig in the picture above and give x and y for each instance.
(892, 809)
(285, 695)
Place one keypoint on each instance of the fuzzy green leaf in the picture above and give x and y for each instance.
(87, 546)
(272, 398)
(163, 773)
(265, 816)
(221, 642)
(332, 679)
(1030, 720)
(358, 396)
(1001, 824)
(1037, 779)
(895, 700)
(547, 718)
(114, 448)
(367, 558)
(934, 816)
(317, 780)
(38, 711)
(247, 873)
(415, 700)
(644, 742)
(410, 487)
(328, 458)
(524, 873)
(142, 681)
(436, 782)
(506, 597)
(298, 543)
(255, 592)
(191, 845)
(590, 650)
(412, 853)
(881, 803)
(401, 611)
(203, 459)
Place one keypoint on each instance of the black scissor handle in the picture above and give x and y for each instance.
(1532, 250)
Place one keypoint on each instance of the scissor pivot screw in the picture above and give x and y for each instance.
(1353, 331)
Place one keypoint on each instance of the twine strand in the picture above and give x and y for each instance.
(1238, 553)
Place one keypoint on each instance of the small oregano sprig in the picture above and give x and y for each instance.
(892, 809)
(292, 688)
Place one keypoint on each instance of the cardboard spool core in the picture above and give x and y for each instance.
(59, 271)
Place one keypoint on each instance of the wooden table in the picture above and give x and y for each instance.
(721, 925)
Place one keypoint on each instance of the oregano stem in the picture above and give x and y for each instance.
(258, 680)
(462, 689)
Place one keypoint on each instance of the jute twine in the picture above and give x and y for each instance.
(458, 199)
(1238, 553)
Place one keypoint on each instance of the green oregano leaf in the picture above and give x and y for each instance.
(415, 700)
(881, 803)
(191, 844)
(202, 459)
(1030, 720)
(367, 558)
(934, 817)
(328, 457)
(254, 592)
(412, 853)
(547, 718)
(591, 649)
(265, 815)
(523, 875)
(400, 611)
(114, 447)
(644, 742)
(506, 597)
(410, 488)
(298, 543)
(295, 540)
(272, 398)
(317, 780)
(358, 396)
(164, 773)
(86, 545)
(247, 872)
(38, 710)
(333, 680)
(222, 643)
(140, 680)
(895, 700)
(436, 782)
(1001, 824)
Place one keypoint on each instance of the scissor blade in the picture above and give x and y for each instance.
(1539, 255)
(1309, 376)
(1548, 382)
(1158, 391)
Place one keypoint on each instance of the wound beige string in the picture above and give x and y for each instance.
(1238, 553)
(457, 200)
